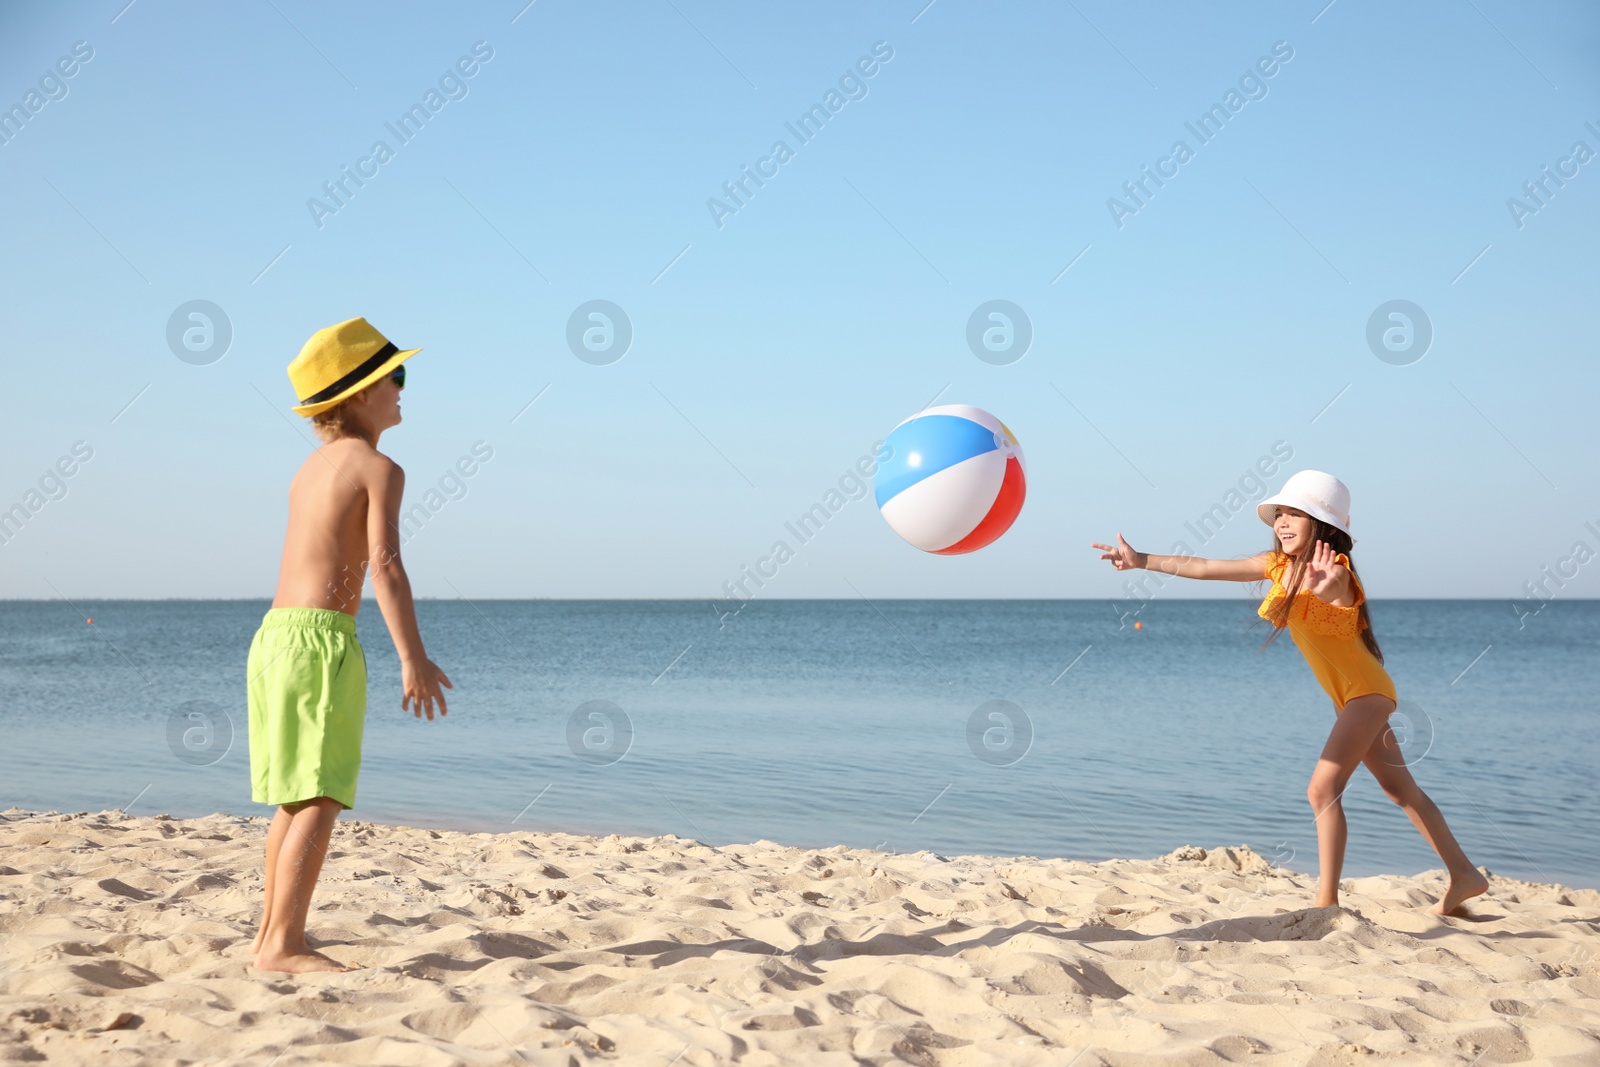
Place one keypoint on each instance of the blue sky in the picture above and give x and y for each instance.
(1173, 347)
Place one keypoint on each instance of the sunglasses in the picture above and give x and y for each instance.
(399, 376)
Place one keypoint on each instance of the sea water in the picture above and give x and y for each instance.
(1004, 727)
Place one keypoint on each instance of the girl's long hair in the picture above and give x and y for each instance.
(1294, 578)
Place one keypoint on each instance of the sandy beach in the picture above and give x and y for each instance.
(125, 940)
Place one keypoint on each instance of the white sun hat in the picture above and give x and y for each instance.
(1314, 493)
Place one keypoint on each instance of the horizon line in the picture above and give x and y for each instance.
(714, 600)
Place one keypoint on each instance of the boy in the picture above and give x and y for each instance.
(307, 672)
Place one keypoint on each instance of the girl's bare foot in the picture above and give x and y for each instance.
(297, 962)
(1462, 886)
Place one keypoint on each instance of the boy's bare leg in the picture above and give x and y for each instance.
(275, 835)
(305, 843)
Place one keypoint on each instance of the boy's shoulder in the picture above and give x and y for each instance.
(355, 456)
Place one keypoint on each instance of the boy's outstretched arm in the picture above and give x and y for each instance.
(420, 678)
(1124, 557)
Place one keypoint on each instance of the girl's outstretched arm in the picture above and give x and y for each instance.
(1124, 557)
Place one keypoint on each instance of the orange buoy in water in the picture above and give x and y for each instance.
(91, 622)
(1138, 626)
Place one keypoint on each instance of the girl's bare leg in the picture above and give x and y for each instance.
(283, 941)
(275, 835)
(1388, 765)
(1360, 722)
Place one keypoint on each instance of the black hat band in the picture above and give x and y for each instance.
(366, 368)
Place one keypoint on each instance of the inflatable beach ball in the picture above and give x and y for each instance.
(954, 480)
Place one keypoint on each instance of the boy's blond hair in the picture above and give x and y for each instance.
(334, 423)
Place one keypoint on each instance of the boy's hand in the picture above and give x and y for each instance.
(1122, 555)
(420, 682)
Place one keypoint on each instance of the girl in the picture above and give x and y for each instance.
(1316, 594)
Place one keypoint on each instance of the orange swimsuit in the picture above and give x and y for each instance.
(1329, 637)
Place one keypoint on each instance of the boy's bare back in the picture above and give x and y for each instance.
(340, 504)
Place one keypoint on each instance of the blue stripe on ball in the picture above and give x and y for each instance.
(937, 442)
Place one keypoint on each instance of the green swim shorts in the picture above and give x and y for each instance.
(308, 706)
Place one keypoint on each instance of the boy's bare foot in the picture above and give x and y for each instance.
(261, 937)
(297, 962)
(1462, 887)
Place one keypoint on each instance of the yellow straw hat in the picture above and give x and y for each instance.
(340, 361)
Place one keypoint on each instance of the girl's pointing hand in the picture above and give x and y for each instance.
(1122, 555)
